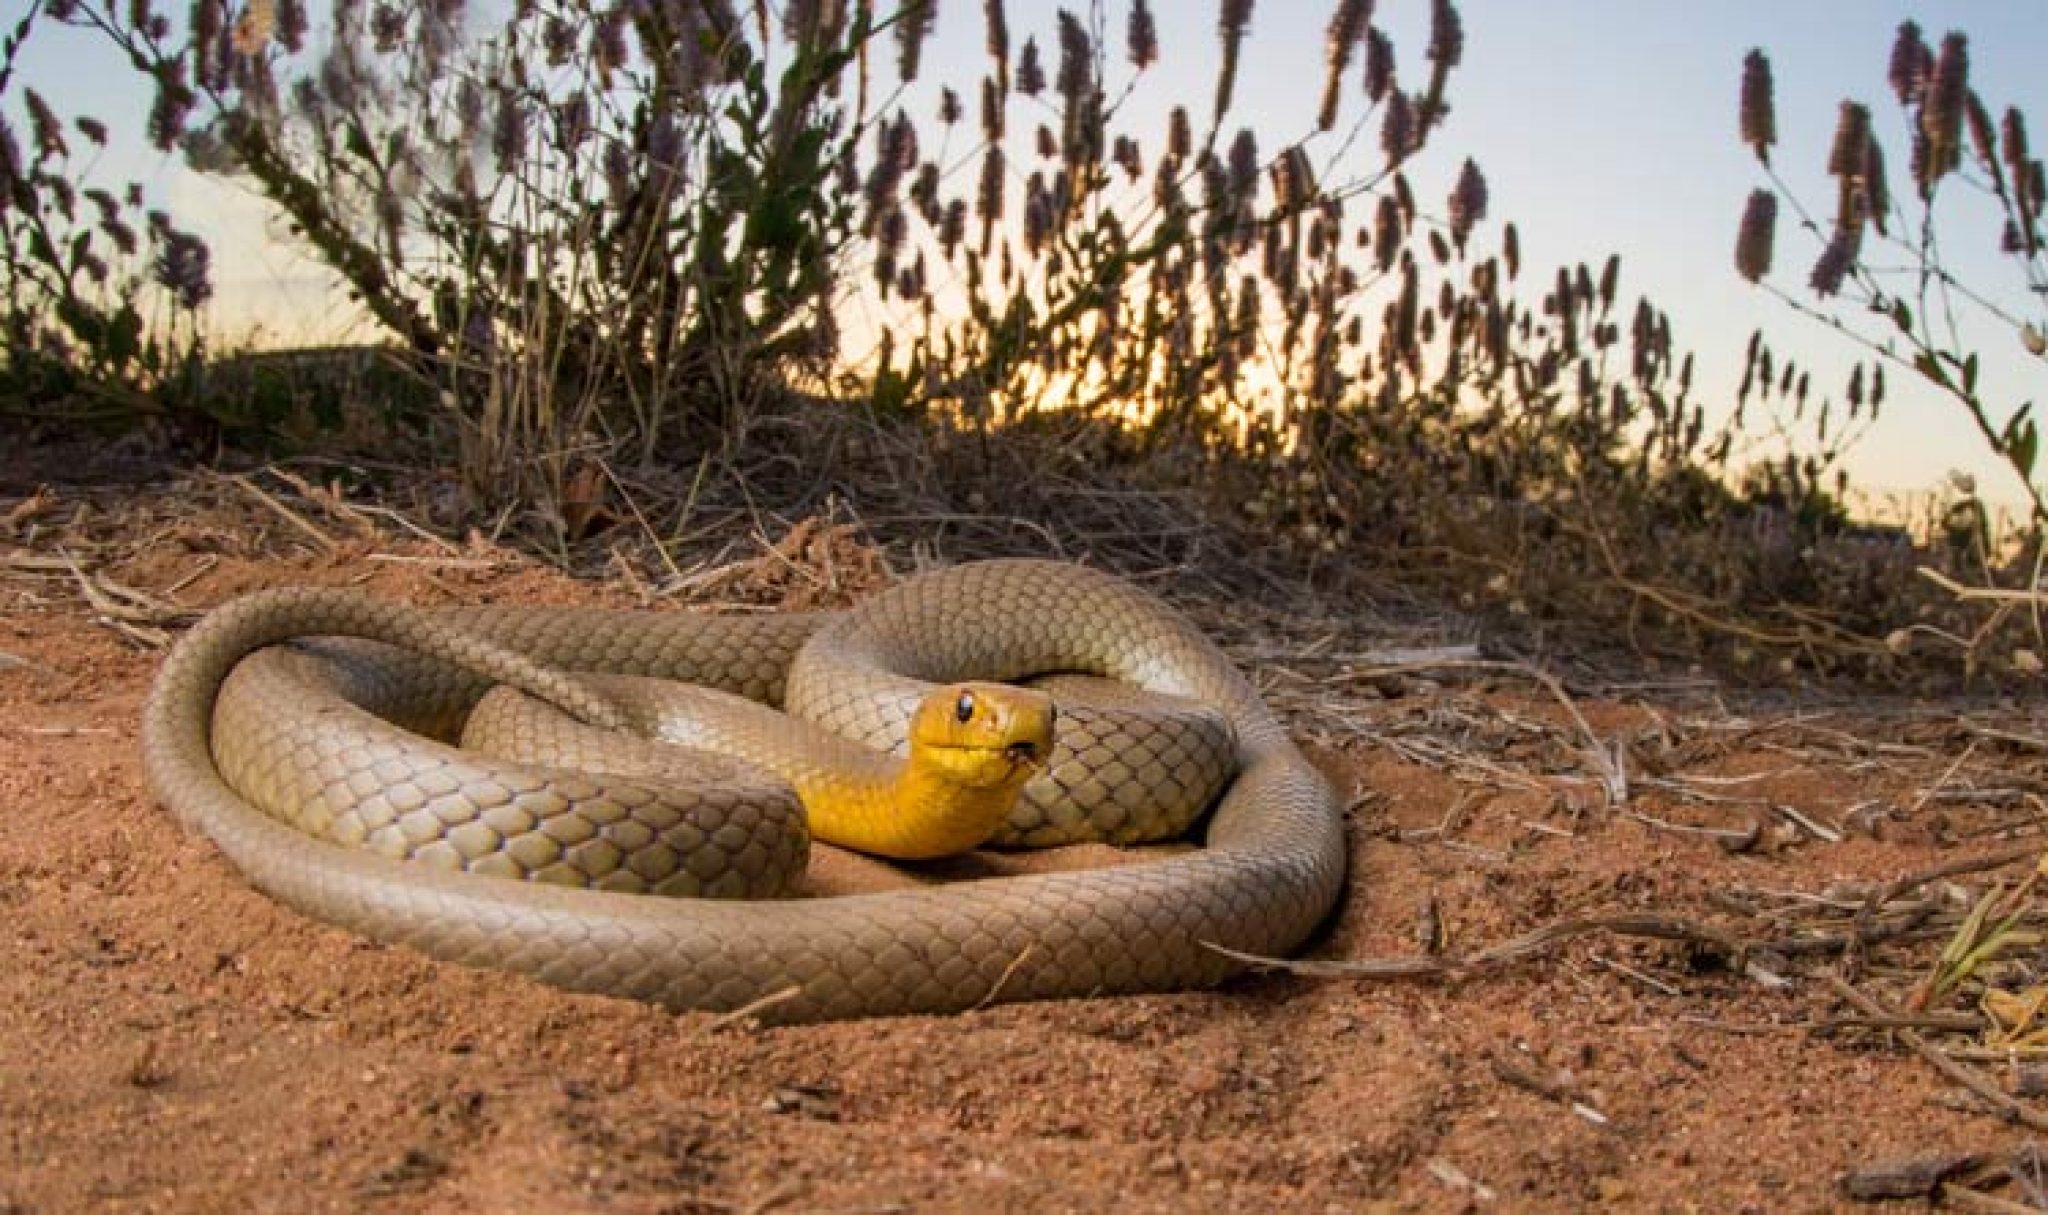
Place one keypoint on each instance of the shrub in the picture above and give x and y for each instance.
(1907, 318)
(99, 293)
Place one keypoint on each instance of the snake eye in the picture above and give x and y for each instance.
(963, 709)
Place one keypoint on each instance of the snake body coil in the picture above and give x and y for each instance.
(1271, 866)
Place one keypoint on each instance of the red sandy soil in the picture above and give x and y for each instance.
(171, 1040)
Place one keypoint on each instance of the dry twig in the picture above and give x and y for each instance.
(1961, 1073)
(1528, 945)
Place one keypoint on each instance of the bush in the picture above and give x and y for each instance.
(1909, 319)
(98, 293)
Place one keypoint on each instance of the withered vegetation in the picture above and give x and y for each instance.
(636, 258)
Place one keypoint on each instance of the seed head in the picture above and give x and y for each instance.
(997, 26)
(1941, 113)
(558, 40)
(1446, 34)
(1142, 36)
(665, 144)
(914, 23)
(1077, 61)
(168, 112)
(1235, 19)
(1759, 114)
(44, 127)
(890, 234)
(1038, 214)
(1835, 262)
(953, 226)
(1877, 197)
(12, 184)
(572, 121)
(1379, 65)
(988, 198)
(1468, 201)
(291, 24)
(1754, 238)
(508, 129)
(1030, 73)
(1852, 136)
(387, 28)
(910, 284)
(1347, 26)
(1127, 157)
(1911, 64)
(924, 192)
(991, 110)
(1397, 129)
(1180, 138)
(895, 156)
(608, 40)
(183, 265)
(1294, 184)
(1983, 137)
(1386, 233)
(2013, 130)
(1244, 164)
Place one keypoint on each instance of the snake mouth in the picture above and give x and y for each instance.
(1020, 754)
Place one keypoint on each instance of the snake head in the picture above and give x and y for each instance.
(982, 735)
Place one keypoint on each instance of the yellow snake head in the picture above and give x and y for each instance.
(972, 747)
(988, 736)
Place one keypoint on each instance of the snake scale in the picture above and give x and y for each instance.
(1270, 868)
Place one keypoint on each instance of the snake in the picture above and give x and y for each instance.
(1269, 867)
(968, 751)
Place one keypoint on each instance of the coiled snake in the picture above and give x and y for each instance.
(1271, 864)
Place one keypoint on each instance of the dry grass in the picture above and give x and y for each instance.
(1599, 577)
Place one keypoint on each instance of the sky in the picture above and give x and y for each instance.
(1601, 127)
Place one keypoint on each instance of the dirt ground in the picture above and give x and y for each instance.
(172, 1041)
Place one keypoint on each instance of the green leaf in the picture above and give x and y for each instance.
(1902, 316)
(124, 336)
(805, 150)
(82, 320)
(2022, 441)
(1927, 365)
(1970, 374)
(776, 224)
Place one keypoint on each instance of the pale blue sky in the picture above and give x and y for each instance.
(1601, 126)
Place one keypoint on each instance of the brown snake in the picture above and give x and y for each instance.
(1271, 865)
